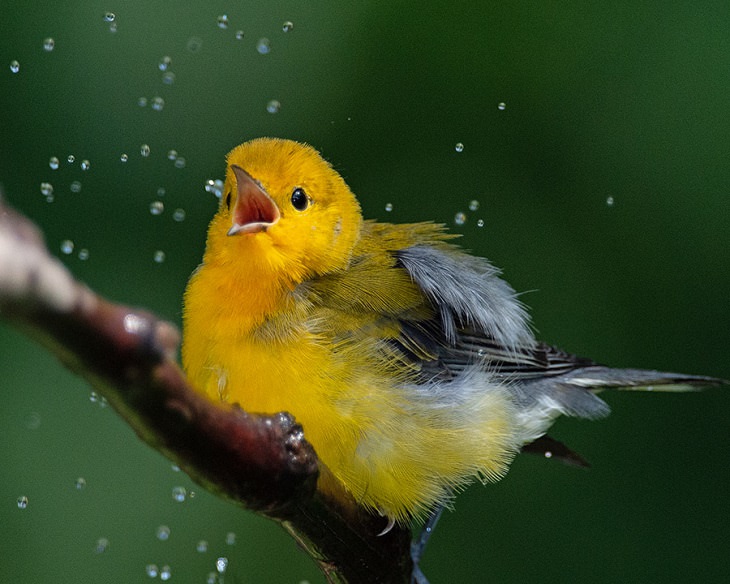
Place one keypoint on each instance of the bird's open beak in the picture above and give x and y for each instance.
(254, 210)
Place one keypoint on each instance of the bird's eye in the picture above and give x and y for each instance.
(228, 201)
(299, 199)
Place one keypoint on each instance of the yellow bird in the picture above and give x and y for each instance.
(410, 364)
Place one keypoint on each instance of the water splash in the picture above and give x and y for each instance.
(263, 47)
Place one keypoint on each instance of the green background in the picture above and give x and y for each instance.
(603, 100)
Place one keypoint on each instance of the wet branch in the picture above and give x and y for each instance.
(263, 463)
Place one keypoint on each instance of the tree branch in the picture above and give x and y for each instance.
(260, 462)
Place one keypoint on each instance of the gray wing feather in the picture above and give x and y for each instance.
(481, 320)
(468, 293)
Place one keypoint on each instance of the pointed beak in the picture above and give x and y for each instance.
(254, 210)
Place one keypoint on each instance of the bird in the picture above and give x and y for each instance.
(410, 363)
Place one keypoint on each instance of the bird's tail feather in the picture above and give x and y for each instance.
(597, 378)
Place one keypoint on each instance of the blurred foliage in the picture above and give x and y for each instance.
(602, 181)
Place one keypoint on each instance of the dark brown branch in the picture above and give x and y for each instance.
(263, 463)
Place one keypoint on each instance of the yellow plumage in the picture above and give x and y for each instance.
(408, 362)
(264, 328)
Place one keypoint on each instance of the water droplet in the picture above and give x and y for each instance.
(67, 246)
(93, 397)
(214, 186)
(168, 78)
(75, 187)
(124, 157)
(164, 63)
(273, 106)
(22, 502)
(158, 103)
(194, 44)
(165, 573)
(142, 102)
(473, 205)
(70, 159)
(159, 258)
(239, 35)
(109, 17)
(180, 162)
(14, 66)
(202, 546)
(101, 545)
(80, 484)
(221, 564)
(172, 154)
(501, 106)
(46, 188)
(85, 165)
(157, 207)
(263, 46)
(388, 207)
(144, 150)
(460, 218)
(151, 570)
(480, 223)
(33, 421)
(53, 163)
(231, 538)
(548, 454)
(48, 44)
(178, 215)
(161, 191)
(174, 467)
(609, 201)
(223, 21)
(459, 147)
(163, 533)
(83, 254)
(288, 26)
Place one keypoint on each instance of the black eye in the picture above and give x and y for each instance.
(299, 199)
(228, 201)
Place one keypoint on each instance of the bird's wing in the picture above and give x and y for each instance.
(437, 310)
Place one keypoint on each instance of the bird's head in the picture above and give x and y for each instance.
(284, 209)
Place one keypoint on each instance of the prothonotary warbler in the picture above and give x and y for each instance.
(410, 364)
